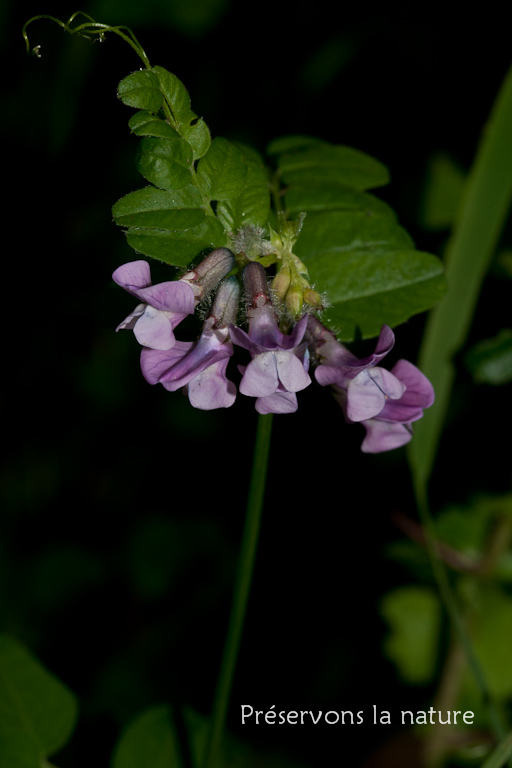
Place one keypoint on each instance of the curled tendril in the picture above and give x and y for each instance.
(87, 29)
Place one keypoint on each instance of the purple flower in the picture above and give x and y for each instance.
(163, 306)
(392, 427)
(386, 402)
(279, 364)
(200, 366)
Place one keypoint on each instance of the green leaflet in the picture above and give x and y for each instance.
(369, 270)
(315, 163)
(144, 123)
(168, 225)
(178, 247)
(166, 163)
(37, 712)
(141, 90)
(221, 173)
(252, 204)
(188, 125)
(328, 195)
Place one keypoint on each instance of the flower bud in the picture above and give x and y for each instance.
(255, 284)
(294, 300)
(281, 282)
(211, 270)
(313, 298)
(225, 305)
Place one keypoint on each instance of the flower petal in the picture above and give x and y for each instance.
(155, 363)
(368, 392)
(154, 330)
(129, 322)
(133, 276)
(384, 436)
(279, 402)
(260, 377)
(290, 371)
(211, 388)
(171, 296)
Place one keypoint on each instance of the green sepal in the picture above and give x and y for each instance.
(166, 163)
(333, 163)
(141, 90)
(369, 270)
(144, 123)
(189, 126)
(222, 172)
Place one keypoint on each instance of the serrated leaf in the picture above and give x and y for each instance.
(333, 163)
(324, 196)
(178, 248)
(37, 712)
(188, 125)
(413, 615)
(221, 173)
(150, 741)
(144, 123)
(141, 90)
(163, 209)
(166, 163)
(368, 268)
(490, 361)
(251, 206)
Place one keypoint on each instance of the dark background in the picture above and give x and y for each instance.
(122, 506)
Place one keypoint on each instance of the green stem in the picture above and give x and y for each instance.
(241, 590)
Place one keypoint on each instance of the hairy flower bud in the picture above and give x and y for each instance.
(211, 270)
(255, 284)
(281, 282)
(294, 301)
(313, 298)
(225, 305)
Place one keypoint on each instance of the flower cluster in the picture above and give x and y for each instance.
(385, 402)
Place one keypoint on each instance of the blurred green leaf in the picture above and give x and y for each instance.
(166, 163)
(222, 172)
(413, 614)
(37, 712)
(141, 90)
(369, 270)
(294, 143)
(490, 361)
(149, 742)
(443, 190)
(491, 623)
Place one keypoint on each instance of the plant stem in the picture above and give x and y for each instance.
(241, 590)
